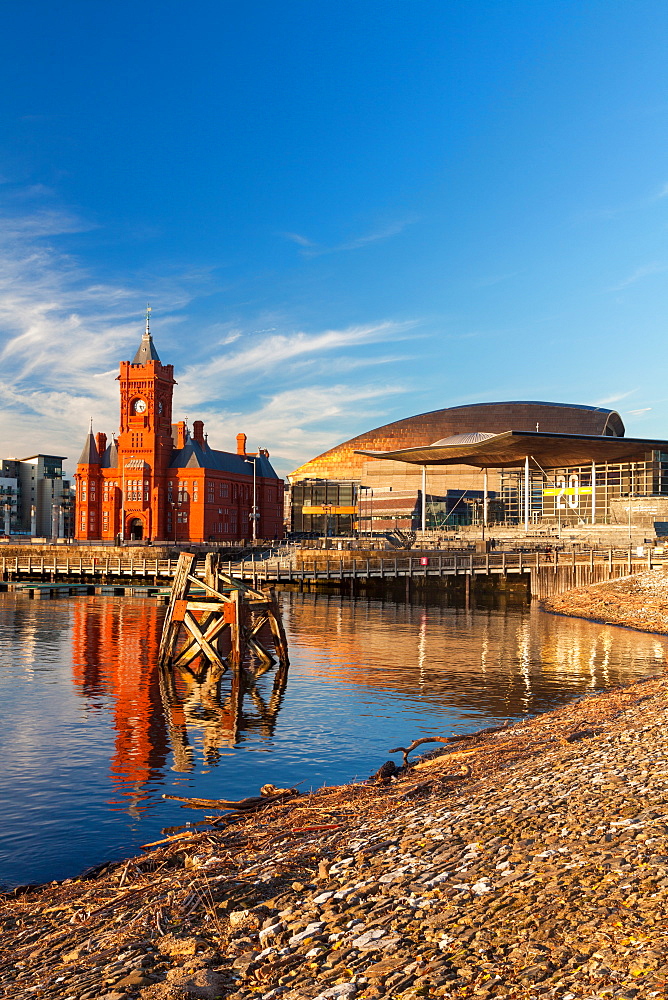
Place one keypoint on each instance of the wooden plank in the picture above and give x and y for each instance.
(193, 627)
(277, 630)
(179, 611)
(209, 589)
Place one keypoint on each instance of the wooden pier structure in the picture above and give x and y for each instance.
(201, 611)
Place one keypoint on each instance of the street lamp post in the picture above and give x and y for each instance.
(327, 508)
(254, 510)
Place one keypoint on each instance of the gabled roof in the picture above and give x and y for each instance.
(90, 454)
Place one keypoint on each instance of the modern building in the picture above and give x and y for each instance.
(506, 462)
(35, 498)
(160, 481)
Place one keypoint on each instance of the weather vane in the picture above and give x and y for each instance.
(148, 316)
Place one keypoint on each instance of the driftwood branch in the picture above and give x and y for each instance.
(447, 739)
(238, 805)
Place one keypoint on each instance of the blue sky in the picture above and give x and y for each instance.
(342, 213)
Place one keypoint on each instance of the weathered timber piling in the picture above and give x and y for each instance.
(195, 622)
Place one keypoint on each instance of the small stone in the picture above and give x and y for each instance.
(245, 919)
(135, 979)
(176, 946)
(267, 933)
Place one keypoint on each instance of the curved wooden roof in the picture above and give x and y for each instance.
(346, 460)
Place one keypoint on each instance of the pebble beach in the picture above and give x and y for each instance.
(529, 862)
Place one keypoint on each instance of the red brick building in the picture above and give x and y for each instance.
(160, 481)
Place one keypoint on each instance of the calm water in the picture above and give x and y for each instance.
(93, 735)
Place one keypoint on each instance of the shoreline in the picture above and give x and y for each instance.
(529, 862)
(638, 602)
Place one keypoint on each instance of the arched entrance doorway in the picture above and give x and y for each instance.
(136, 529)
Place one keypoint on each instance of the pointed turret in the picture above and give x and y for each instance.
(90, 455)
(146, 351)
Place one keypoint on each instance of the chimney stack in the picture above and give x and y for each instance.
(241, 444)
(179, 434)
(198, 431)
(101, 443)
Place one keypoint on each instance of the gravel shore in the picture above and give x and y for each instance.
(639, 602)
(530, 862)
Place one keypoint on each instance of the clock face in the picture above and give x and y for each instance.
(139, 406)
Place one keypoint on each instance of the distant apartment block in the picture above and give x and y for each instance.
(35, 499)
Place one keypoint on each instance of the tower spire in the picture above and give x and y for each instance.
(146, 351)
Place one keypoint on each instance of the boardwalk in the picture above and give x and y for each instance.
(549, 573)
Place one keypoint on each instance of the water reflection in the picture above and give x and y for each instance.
(161, 711)
(92, 729)
(193, 700)
(500, 663)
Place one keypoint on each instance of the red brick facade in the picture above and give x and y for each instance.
(158, 481)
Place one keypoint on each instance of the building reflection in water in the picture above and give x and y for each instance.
(157, 712)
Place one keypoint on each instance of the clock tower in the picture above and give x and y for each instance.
(145, 436)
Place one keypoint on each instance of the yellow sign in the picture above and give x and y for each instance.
(327, 509)
(569, 491)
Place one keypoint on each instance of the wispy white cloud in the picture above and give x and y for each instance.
(607, 212)
(495, 279)
(59, 329)
(298, 423)
(63, 332)
(615, 397)
(645, 271)
(638, 413)
(275, 355)
(312, 249)
(302, 241)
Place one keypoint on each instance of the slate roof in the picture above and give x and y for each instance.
(146, 351)
(90, 454)
(196, 456)
(110, 456)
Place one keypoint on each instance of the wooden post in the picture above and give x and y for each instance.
(277, 630)
(180, 588)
